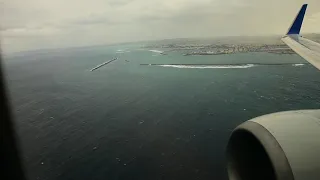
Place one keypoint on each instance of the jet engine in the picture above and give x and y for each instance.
(278, 146)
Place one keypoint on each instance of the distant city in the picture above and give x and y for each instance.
(226, 45)
(226, 49)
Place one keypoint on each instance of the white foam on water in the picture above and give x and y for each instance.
(156, 51)
(120, 51)
(209, 66)
(298, 65)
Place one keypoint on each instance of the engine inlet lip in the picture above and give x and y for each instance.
(279, 161)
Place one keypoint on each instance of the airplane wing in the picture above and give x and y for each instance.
(306, 48)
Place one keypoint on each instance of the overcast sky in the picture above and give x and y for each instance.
(36, 24)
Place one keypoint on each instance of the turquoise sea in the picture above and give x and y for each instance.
(130, 121)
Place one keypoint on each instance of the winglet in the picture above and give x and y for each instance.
(296, 25)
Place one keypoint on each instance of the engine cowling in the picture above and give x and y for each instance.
(278, 146)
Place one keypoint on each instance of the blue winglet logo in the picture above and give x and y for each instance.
(296, 25)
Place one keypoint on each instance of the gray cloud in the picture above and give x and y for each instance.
(119, 2)
(34, 24)
(90, 20)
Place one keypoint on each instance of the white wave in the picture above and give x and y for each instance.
(298, 65)
(209, 66)
(120, 51)
(156, 51)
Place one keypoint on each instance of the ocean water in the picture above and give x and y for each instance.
(130, 121)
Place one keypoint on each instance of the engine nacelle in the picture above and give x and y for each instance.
(279, 146)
